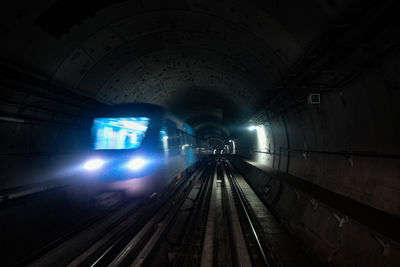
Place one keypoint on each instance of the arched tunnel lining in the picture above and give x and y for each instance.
(177, 53)
(216, 73)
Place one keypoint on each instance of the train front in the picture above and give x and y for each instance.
(125, 155)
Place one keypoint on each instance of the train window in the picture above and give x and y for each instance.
(171, 132)
(185, 139)
(163, 144)
(179, 138)
(190, 140)
(119, 133)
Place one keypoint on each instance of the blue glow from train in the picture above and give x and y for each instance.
(119, 133)
(137, 163)
(93, 164)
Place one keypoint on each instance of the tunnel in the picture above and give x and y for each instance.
(293, 104)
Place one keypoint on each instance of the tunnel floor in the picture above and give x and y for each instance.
(210, 217)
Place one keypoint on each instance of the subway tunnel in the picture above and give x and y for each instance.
(299, 98)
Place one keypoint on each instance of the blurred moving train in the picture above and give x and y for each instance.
(138, 149)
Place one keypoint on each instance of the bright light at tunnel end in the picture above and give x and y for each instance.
(137, 163)
(93, 164)
(252, 128)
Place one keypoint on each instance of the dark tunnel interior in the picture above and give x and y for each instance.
(302, 98)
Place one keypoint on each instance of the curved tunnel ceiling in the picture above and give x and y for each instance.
(209, 62)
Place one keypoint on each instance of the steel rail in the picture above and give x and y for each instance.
(151, 232)
(198, 218)
(208, 244)
(242, 253)
(242, 200)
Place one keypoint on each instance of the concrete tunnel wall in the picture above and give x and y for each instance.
(360, 117)
(86, 58)
(42, 131)
(327, 226)
(349, 143)
(241, 58)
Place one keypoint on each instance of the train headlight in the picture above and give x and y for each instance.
(137, 163)
(93, 164)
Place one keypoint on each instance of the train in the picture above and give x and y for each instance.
(138, 149)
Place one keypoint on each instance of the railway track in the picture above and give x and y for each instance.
(206, 220)
(101, 236)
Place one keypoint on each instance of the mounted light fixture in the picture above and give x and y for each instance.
(252, 128)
